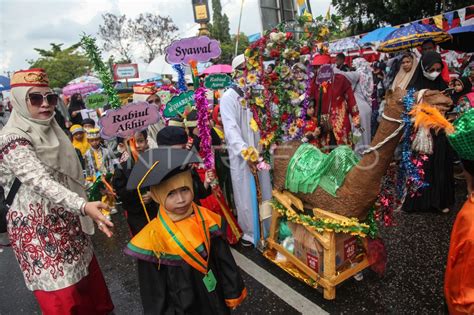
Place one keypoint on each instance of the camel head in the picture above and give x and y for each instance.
(436, 99)
(394, 107)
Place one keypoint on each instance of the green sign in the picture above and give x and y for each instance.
(178, 104)
(95, 101)
(164, 95)
(217, 81)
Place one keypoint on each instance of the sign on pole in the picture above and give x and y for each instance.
(200, 49)
(127, 120)
(178, 104)
(125, 71)
(95, 101)
(217, 81)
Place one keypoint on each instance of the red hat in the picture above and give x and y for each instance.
(320, 60)
(31, 77)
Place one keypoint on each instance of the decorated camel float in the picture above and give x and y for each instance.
(323, 227)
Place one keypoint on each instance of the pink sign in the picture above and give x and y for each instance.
(201, 49)
(125, 121)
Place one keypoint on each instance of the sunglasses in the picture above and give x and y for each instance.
(156, 101)
(36, 99)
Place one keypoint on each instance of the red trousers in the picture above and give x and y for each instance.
(89, 296)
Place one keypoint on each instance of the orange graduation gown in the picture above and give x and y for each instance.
(459, 277)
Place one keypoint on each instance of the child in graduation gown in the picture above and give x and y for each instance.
(197, 273)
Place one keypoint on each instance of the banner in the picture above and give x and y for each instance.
(178, 104)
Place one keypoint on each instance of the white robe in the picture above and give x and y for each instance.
(239, 136)
(365, 110)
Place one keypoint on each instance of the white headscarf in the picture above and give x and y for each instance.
(366, 80)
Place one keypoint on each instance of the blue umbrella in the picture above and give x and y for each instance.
(462, 39)
(411, 36)
(377, 35)
(4, 83)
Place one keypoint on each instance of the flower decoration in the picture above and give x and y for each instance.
(250, 154)
(259, 101)
(251, 78)
(253, 125)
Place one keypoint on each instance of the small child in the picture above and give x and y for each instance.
(462, 96)
(99, 162)
(195, 270)
(79, 140)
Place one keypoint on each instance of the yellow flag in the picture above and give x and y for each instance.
(438, 19)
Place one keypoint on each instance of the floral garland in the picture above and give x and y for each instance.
(279, 99)
(350, 225)
(410, 177)
(203, 125)
(411, 173)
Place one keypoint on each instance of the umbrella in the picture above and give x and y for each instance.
(82, 88)
(376, 36)
(412, 35)
(218, 69)
(86, 79)
(4, 83)
(160, 66)
(345, 44)
(462, 39)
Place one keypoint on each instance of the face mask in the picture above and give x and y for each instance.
(431, 75)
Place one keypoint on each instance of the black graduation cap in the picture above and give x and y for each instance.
(163, 162)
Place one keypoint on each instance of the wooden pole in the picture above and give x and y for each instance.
(238, 29)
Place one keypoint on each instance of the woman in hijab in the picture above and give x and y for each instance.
(408, 66)
(75, 106)
(363, 85)
(463, 97)
(439, 173)
(44, 221)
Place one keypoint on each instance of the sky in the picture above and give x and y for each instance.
(29, 24)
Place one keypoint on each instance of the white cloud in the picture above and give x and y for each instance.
(28, 24)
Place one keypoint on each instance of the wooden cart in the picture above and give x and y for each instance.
(329, 278)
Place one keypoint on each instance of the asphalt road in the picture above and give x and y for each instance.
(413, 283)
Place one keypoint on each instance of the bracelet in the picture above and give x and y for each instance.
(83, 209)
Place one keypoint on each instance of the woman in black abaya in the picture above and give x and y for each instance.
(439, 175)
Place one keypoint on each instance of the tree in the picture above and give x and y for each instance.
(228, 49)
(62, 66)
(155, 32)
(336, 26)
(117, 34)
(219, 28)
(366, 15)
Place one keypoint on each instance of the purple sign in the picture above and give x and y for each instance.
(201, 49)
(125, 121)
(325, 74)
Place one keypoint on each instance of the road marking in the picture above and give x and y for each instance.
(282, 290)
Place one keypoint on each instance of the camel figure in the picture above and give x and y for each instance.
(362, 184)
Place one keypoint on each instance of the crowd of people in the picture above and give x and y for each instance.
(176, 213)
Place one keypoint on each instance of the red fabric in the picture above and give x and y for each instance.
(445, 72)
(211, 203)
(215, 115)
(339, 103)
(89, 296)
(321, 60)
(459, 277)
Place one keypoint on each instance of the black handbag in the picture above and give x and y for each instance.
(5, 204)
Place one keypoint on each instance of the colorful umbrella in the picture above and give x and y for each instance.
(218, 69)
(82, 88)
(86, 79)
(376, 36)
(411, 36)
(4, 83)
(462, 39)
(345, 44)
